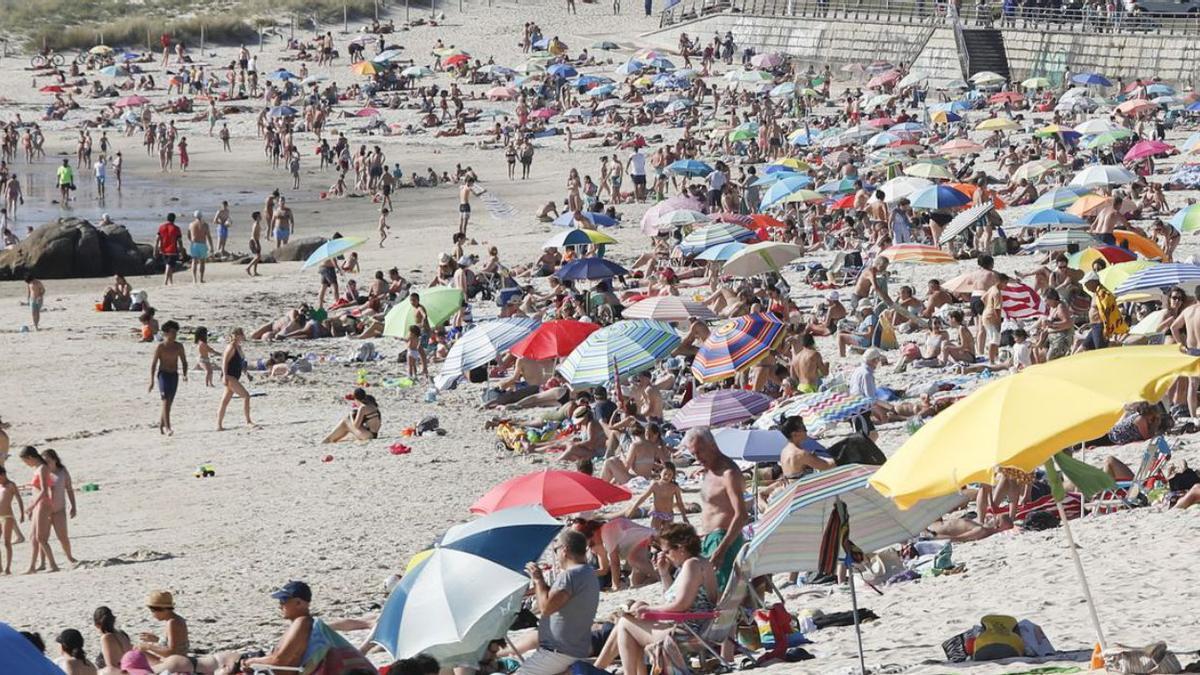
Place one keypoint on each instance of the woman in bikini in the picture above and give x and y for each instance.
(169, 654)
(61, 494)
(233, 364)
(8, 521)
(40, 509)
(363, 423)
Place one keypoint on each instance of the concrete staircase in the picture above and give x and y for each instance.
(984, 50)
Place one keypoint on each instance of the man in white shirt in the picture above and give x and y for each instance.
(100, 169)
(716, 185)
(637, 170)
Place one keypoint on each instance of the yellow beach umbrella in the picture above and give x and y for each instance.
(366, 68)
(996, 124)
(792, 163)
(928, 170)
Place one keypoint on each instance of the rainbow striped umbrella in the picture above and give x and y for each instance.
(916, 253)
(632, 346)
(788, 534)
(721, 407)
(735, 345)
(820, 410)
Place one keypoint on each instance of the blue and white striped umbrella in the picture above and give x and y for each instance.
(1051, 218)
(481, 343)
(1158, 277)
(721, 251)
(787, 535)
(711, 235)
(1060, 197)
(1059, 240)
(633, 346)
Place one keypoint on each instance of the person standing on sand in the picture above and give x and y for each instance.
(170, 359)
(722, 506)
(35, 297)
(65, 181)
(282, 223)
(221, 220)
(8, 522)
(255, 244)
(269, 211)
(61, 494)
(118, 161)
(383, 226)
(464, 205)
(233, 364)
(166, 245)
(200, 243)
(100, 170)
(39, 510)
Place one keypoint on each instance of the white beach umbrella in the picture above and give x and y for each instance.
(902, 186)
(1103, 174)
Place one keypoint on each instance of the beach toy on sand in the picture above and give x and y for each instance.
(327, 459)
(399, 449)
(361, 377)
(408, 431)
(91, 487)
(205, 471)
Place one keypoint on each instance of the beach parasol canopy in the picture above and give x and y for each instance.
(711, 235)
(960, 147)
(997, 124)
(511, 537)
(571, 219)
(577, 237)
(560, 493)
(114, 71)
(736, 344)
(720, 408)
(767, 256)
(787, 535)
(1115, 275)
(680, 218)
(131, 101)
(964, 220)
(1186, 219)
(668, 308)
(938, 197)
(1103, 175)
(902, 186)
(332, 249)
(1091, 79)
(1051, 218)
(928, 170)
(692, 168)
(916, 253)
(482, 343)
(553, 339)
(820, 410)
(283, 111)
(590, 268)
(367, 68)
(1059, 240)
(1060, 197)
(672, 204)
(750, 445)
(417, 71)
(18, 655)
(432, 612)
(624, 348)
(968, 282)
(721, 252)
(440, 303)
(1147, 148)
(987, 77)
(1083, 259)
(1160, 277)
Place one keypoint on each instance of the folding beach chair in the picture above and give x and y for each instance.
(715, 639)
(1148, 475)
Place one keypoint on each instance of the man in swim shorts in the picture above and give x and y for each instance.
(722, 502)
(464, 204)
(170, 359)
(282, 223)
(166, 245)
(35, 293)
(221, 220)
(200, 243)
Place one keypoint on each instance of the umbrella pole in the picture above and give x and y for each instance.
(513, 647)
(849, 562)
(1087, 591)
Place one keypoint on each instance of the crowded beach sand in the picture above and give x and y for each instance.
(347, 517)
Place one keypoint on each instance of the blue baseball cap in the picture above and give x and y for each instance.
(293, 589)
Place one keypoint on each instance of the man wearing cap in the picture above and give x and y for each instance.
(293, 597)
(567, 607)
(862, 383)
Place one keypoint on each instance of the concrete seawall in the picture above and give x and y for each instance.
(932, 48)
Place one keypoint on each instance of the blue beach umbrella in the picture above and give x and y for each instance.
(937, 197)
(630, 67)
(18, 655)
(1160, 277)
(783, 188)
(511, 537)
(567, 219)
(590, 268)
(1051, 218)
(721, 252)
(750, 445)
(282, 74)
(711, 235)
(562, 70)
(693, 168)
(1060, 197)
(1092, 79)
(283, 111)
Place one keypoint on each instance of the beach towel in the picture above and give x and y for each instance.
(497, 208)
(1020, 302)
(328, 653)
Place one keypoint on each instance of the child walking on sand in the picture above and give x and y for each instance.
(667, 496)
(415, 353)
(204, 354)
(383, 226)
(170, 360)
(8, 522)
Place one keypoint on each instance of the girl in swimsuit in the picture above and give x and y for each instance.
(40, 509)
(363, 423)
(60, 494)
(204, 354)
(667, 498)
(8, 523)
(234, 363)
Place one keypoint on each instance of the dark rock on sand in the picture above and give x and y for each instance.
(74, 248)
(294, 250)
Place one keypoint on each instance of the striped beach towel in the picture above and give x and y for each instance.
(1020, 302)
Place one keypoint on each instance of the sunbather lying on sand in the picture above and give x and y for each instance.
(966, 529)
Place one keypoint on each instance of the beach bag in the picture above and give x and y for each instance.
(478, 374)
(1155, 658)
(857, 449)
(959, 647)
(667, 659)
(998, 640)
(1036, 642)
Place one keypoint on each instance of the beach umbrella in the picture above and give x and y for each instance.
(1091, 79)
(1137, 106)
(938, 197)
(283, 75)
(590, 268)
(750, 445)
(1099, 125)
(114, 71)
(969, 282)
(501, 93)
(1107, 138)
(578, 237)
(1060, 197)
(668, 308)
(801, 197)
(819, 410)
(1191, 143)
(440, 303)
(624, 348)
(481, 344)
(1051, 218)
(1036, 83)
(417, 71)
(1088, 204)
(1059, 240)
(630, 67)
(495, 69)
(721, 252)
(1115, 275)
(680, 218)
(838, 186)
(606, 45)
(512, 537)
(562, 70)
(766, 60)
(1148, 148)
(1186, 219)
(1083, 259)
(711, 235)
(1103, 174)
(916, 253)
(572, 218)
(553, 339)
(787, 536)
(960, 147)
(455, 60)
(928, 170)
(997, 124)
(367, 68)
(902, 186)
(134, 101)
(767, 256)
(945, 117)
(101, 50)
(883, 79)
(282, 111)
(736, 344)
(432, 612)
(783, 188)
(692, 168)
(332, 249)
(913, 78)
(675, 203)
(721, 408)
(1032, 171)
(987, 77)
(387, 55)
(560, 493)
(1143, 246)
(787, 163)
(1011, 97)
(782, 90)
(18, 655)
(749, 76)
(741, 135)
(1160, 277)
(367, 112)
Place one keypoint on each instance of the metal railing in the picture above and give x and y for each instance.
(1085, 18)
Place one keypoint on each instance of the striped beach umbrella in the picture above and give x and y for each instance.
(1083, 259)
(630, 346)
(1061, 239)
(938, 197)
(788, 534)
(1115, 275)
(332, 249)
(1160, 277)
(720, 408)
(590, 268)
(482, 343)
(711, 235)
(820, 410)
(736, 344)
(964, 220)
(1060, 197)
(1051, 218)
(916, 253)
(721, 251)
(668, 308)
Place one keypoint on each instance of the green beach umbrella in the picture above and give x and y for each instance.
(440, 303)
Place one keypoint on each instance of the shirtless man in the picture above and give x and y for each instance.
(269, 211)
(990, 320)
(35, 297)
(464, 204)
(1186, 331)
(648, 399)
(965, 529)
(722, 503)
(255, 243)
(697, 333)
(935, 298)
(221, 220)
(200, 243)
(1109, 219)
(807, 366)
(170, 360)
(802, 455)
(872, 281)
(282, 223)
(533, 372)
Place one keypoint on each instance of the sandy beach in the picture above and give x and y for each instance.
(344, 517)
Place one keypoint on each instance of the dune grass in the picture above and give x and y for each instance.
(71, 24)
